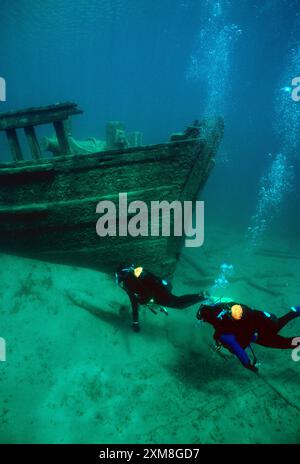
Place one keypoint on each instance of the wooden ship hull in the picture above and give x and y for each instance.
(48, 205)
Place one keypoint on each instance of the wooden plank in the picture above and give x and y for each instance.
(263, 288)
(101, 181)
(14, 144)
(33, 142)
(40, 109)
(117, 157)
(86, 203)
(37, 116)
(62, 138)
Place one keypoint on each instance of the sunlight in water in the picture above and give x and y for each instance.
(273, 186)
(211, 60)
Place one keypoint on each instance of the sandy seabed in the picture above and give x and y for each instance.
(76, 373)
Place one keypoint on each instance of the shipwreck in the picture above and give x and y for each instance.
(48, 203)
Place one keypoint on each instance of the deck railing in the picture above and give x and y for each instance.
(58, 115)
(28, 119)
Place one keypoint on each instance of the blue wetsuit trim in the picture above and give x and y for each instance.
(231, 342)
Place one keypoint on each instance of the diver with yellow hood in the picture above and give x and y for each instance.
(237, 326)
(144, 288)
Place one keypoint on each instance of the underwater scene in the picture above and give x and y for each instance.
(150, 221)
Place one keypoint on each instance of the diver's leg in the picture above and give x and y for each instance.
(135, 320)
(135, 313)
(284, 320)
(230, 342)
(273, 340)
(178, 302)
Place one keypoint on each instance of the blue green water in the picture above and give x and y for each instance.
(157, 66)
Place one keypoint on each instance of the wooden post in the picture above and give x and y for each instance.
(62, 138)
(29, 118)
(135, 139)
(68, 126)
(113, 131)
(33, 142)
(14, 144)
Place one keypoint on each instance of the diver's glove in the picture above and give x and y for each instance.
(154, 308)
(218, 346)
(164, 310)
(252, 367)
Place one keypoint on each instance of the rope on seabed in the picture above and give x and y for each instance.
(292, 405)
(267, 382)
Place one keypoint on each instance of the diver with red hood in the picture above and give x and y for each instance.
(237, 326)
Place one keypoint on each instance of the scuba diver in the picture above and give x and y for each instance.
(237, 326)
(144, 288)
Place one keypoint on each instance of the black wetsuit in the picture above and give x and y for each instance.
(147, 287)
(255, 326)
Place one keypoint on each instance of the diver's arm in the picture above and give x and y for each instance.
(232, 344)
